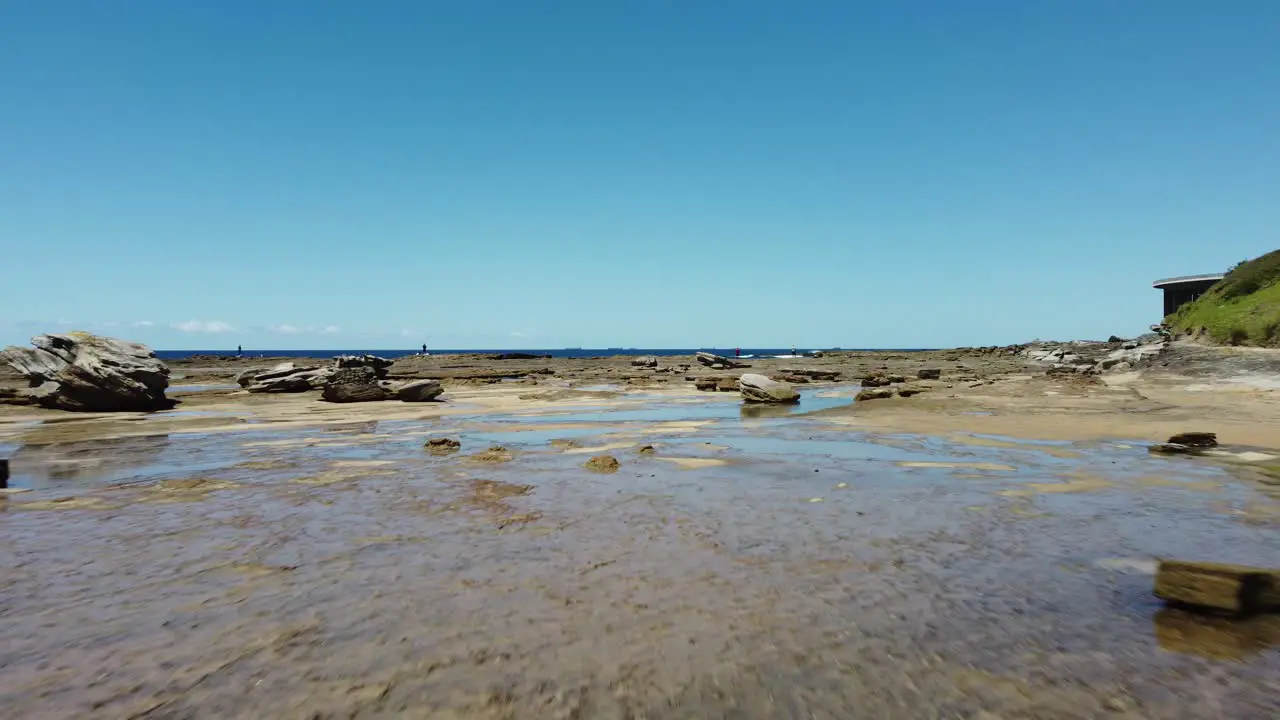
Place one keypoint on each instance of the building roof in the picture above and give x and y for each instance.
(1188, 279)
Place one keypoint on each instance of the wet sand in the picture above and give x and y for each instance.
(971, 552)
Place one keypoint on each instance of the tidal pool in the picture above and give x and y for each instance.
(807, 571)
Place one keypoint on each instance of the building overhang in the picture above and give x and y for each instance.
(1186, 279)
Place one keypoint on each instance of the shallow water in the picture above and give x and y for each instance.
(815, 572)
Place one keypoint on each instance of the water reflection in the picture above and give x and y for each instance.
(1216, 638)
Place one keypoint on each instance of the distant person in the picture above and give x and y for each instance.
(737, 352)
(239, 350)
(424, 348)
(793, 351)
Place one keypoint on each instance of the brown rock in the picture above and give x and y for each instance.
(1216, 586)
(443, 446)
(875, 393)
(1195, 439)
(929, 373)
(603, 464)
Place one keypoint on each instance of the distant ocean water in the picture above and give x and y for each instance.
(560, 353)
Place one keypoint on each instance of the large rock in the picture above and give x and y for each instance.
(712, 361)
(354, 384)
(648, 361)
(760, 389)
(91, 373)
(379, 365)
(285, 378)
(419, 391)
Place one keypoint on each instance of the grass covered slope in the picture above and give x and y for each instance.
(1241, 309)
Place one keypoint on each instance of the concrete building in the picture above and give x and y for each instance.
(1179, 291)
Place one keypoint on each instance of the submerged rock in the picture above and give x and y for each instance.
(84, 372)
(355, 384)
(760, 389)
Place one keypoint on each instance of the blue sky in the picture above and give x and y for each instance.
(308, 174)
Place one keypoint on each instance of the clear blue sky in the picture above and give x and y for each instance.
(299, 174)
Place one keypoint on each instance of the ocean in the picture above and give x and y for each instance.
(560, 353)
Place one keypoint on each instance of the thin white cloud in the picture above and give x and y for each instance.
(286, 329)
(203, 326)
(407, 333)
(330, 329)
(143, 323)
(518, 334)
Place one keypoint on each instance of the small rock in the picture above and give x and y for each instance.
(727, 385)
(1195, 439)
(929, 373)
(648, 361)
(909, 390)
(1174, 449)
(875, 393)
(443, 446)
(646, 450)
(603, 464)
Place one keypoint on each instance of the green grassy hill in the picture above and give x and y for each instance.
(1242, 309)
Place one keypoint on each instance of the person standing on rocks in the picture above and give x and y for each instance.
(239, 350)
(424, 348)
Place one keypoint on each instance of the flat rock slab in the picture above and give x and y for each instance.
(1238, 589)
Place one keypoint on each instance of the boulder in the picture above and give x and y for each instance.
(909, 390)
(929, 373)
(875, 393)
(419, 391)
(379, 365)
(278, 380)
(712, 361)
(647, 361)
(354, 384)
(760, 389)
(91, 373)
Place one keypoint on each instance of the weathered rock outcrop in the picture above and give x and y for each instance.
(760, 389)
(419, 391)
(811, 373)
(92, 373)
(518, 356)
(285, 378)
(353, 384)
(379, 365)
(1090, 358)
(719, 363)
(647, 361)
